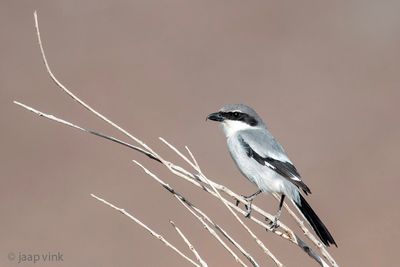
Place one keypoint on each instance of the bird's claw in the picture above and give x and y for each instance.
(247, 206)
(273, 224)
(248, 210)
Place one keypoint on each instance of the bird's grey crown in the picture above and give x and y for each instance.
(243, 109)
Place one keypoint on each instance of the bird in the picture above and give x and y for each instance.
(264, 162)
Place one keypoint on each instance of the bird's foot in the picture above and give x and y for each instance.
(272, 224)
(249, 200)
(248, 210)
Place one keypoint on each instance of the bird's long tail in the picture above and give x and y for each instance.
(315, 222)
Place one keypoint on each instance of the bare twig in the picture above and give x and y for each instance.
(213, 233)
(61, 121)
(189, 206)
(191, 247)
(153, 233)
(77, 99)
(227, 236)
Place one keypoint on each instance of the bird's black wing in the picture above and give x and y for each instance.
(284, 168)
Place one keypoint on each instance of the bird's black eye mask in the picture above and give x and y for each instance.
(239, 116)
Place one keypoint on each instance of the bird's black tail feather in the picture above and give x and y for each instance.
(315, 222)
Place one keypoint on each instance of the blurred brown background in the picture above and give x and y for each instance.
(325, 77)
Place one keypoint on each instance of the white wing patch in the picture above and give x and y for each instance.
(269, 165)
(295, 178)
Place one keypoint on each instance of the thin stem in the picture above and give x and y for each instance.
(77, 99)
(61, 121)
(153, 233)
(189, 206)
(191, 247)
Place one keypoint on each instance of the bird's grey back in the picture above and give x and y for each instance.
(262, 141)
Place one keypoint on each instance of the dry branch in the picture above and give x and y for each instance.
(201, 217)
(191, 247)
(153, 233)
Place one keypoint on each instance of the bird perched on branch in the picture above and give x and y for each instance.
(263, 161)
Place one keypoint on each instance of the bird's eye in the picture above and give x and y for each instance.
(236, 114)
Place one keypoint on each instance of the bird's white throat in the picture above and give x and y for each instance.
(231, 127)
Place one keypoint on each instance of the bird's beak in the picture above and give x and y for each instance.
(216, 116)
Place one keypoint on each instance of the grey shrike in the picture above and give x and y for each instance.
(263, 161)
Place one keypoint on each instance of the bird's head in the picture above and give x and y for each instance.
(236, 117)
